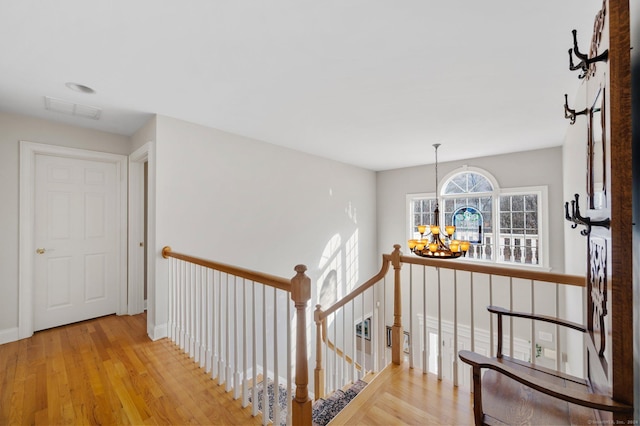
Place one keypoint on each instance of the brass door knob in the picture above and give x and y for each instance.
(40, 250)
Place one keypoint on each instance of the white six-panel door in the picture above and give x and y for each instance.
(76, 240)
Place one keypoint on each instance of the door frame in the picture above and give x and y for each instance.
(26, 264)
(136, 226)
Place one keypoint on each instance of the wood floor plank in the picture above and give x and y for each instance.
(400, 395)
(107, 371)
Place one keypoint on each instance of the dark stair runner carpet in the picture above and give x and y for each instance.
(323, 411)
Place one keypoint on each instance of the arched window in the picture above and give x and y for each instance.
(468, 203)
(503, 225)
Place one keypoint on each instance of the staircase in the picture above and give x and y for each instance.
(323, 411)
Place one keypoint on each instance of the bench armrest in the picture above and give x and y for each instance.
(585, 399)
(502, 311)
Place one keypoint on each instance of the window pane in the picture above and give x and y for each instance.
(531, 203)
(449, 205)
(505, 222)
(448, 218)
(467, 182)
(453, 188)
(532, 223)
(517, 203)
(505, 203)
(468, 222)
(485, 204)
(517, 220)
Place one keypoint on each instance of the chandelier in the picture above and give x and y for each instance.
(438, 242)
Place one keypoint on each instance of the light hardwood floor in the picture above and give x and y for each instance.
(403, 396)
(107, 371)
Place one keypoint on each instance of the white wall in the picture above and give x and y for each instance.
(14, 128)
(146, 133)
(244, 202)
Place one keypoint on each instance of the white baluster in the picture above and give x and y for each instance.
(425, 365)
(171, 299)
(245, 358)
(374, 329)
(512, 249)
(209, 321)
(289, 363)
(410, 317)
(352, 332)
(227, 337)
(214, 329)
(336, 361)
(491, 346)
(254, 339)
(455, 327)
(346, 373)
(265, 364)
(533, 323)
(220, 331)
(236, 345)
(384, 318)
(523, 249)
(191, 312)
(203, 318)
(362, 342)
(511, 318)
(196, 314)
(501, 247)
(439, 328)
(183, 302)
(534, 250)
(276, 378)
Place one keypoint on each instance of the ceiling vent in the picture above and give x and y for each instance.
(69, 108)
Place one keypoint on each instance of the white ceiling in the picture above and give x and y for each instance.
(367, 82)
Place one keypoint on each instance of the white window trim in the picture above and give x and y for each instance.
(543, 214)
(409, 209)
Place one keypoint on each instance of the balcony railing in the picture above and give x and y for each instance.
(510, 248)
(429, 310)
(235, 322)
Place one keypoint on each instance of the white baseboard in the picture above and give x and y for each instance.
(157, 332)
(9, 335)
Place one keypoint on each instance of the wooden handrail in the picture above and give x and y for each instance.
(386, 259)
(336, 349)
(553, 320)
(267, 279)
(505, 271)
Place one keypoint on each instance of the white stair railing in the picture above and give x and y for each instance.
(436, 308)
(223, 316)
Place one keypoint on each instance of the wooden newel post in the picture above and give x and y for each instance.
(300, 294)
(397, 336)
(319, 371)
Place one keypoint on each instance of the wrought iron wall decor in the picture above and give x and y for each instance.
(586, 61)
(571, 114)
(585, 221)
(597, 281)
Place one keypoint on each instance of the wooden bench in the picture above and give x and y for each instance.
(512, 391)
